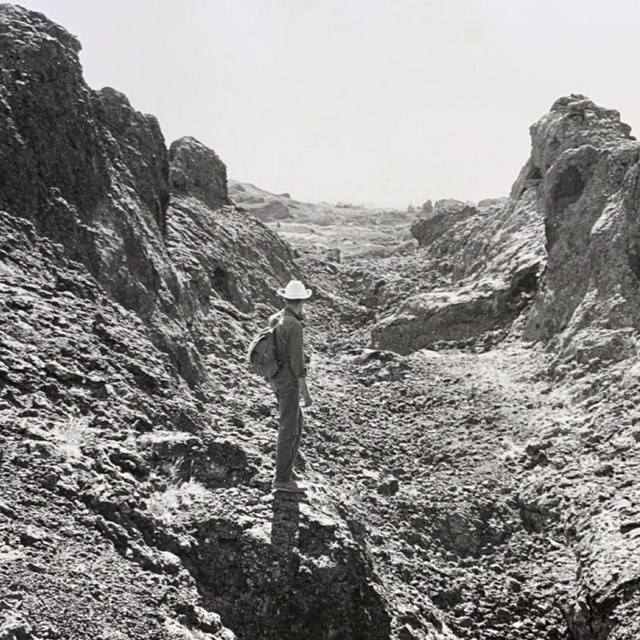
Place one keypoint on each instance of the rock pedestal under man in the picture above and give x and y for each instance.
(289, 384)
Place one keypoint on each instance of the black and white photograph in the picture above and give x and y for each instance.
(319, 320)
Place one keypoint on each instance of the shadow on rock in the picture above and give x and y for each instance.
(285, 532)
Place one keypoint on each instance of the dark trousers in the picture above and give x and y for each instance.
(290, 428)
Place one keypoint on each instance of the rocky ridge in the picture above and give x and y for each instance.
(566, 239)
(572, 210)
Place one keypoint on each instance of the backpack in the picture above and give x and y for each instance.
(262, 354)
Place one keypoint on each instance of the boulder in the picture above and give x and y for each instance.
(444, 216)
(196, 170)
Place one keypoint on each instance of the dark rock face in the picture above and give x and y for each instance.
(98, 183)
(51, 138)
(444, 216)
(69, 154)
(140, 149)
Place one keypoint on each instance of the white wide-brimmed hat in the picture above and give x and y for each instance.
(295, 290)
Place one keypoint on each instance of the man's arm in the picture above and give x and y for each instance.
(298, 365)
(304, 392)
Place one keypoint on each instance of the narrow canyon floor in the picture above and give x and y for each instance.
(429, 453)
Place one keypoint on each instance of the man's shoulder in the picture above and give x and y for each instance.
(274, 319)
(289, 321)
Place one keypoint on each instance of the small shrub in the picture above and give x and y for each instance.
(71, 436)
(179, 496)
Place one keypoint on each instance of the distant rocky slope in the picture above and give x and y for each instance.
(322, 230)
(129, 288)
(563, 250)
(262, 204)
(273, 207)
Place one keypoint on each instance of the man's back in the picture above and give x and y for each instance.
(289, 344)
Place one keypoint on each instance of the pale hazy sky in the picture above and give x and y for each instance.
(372, 101)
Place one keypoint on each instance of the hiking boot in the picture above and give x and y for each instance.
(290, 486)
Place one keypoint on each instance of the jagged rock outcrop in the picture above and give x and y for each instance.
(577, 196)
(99, 183)
(581, 182)
(68, 156)
(583, 170)
(196, 170)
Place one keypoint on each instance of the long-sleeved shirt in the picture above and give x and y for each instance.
(289, 344)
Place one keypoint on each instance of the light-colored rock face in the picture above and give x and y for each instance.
(574, 213)
(583, 170)
(484, 266)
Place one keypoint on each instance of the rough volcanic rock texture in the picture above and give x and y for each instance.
(117, 479)
(476, 270)
(86, 168)
(440, 220)
(197, 170)
(582, 182)
(124, 313)
(584, 168)
(94, 174)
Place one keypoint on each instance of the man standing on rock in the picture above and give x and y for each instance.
(290, 384)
